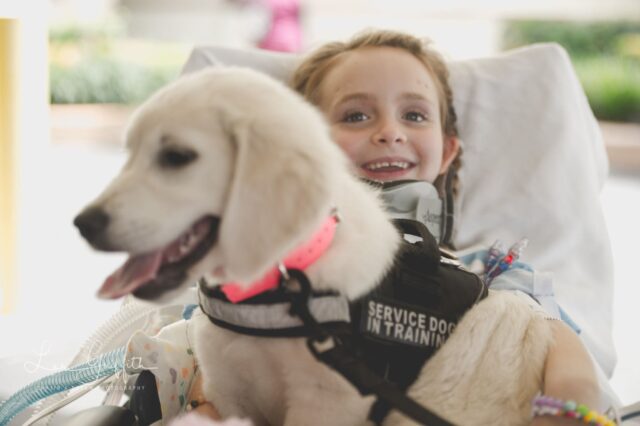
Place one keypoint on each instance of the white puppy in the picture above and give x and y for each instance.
(228, 172)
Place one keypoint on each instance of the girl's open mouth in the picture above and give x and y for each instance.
(387, 169)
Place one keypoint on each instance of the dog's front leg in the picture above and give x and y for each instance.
(335, 413)
(319, 406)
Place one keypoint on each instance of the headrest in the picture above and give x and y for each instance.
(533, 166)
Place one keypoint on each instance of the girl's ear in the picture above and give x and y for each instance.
(450, 149)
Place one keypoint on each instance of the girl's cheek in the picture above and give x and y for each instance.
(350, 142)
(349, 150)
(342, 140)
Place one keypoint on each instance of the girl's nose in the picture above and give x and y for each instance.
(389, 131)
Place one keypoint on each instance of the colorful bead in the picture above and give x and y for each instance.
(590, 416)
(569, 405)
(547, 406)
(582, 409)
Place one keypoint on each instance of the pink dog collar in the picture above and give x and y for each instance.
(302, 257)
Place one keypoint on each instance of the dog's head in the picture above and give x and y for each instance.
(228, 170)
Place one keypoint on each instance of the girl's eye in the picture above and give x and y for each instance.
(418, 117)
(355, 117)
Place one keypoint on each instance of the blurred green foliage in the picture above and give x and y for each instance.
(612, 86)
(98, 64)
(103, 80)
(579, 38)
(606, 57)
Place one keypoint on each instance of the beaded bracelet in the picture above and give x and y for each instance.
(547, 406)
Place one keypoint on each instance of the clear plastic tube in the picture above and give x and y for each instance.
(63, 402)
(133, 315)
(114, 333)
(105, 365)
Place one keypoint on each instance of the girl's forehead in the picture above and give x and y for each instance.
(377, 69)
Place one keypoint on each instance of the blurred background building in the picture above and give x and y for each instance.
(119, 51)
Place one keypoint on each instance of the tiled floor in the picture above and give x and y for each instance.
(57, 309)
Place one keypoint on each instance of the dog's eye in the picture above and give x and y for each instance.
(174, 157)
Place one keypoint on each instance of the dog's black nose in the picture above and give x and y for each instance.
(92, 223)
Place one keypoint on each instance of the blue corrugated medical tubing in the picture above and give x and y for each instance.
(104, 365)
(111, 335)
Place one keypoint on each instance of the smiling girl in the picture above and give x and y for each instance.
(387, 98)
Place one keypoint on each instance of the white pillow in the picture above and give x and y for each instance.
(533, 165)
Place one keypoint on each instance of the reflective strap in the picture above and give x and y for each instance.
(273, 316)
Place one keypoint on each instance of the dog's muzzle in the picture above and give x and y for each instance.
(149, 275)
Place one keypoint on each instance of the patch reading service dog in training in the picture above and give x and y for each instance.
(403, 323)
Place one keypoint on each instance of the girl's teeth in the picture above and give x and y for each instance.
(399, 164)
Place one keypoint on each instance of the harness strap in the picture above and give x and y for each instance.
(273, 318)
(331, 349)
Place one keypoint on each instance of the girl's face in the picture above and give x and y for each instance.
(383, 108)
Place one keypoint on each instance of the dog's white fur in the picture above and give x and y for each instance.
(267, 167)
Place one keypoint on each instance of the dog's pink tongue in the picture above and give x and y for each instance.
(136, 271)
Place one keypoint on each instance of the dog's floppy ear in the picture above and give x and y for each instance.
(278, 196)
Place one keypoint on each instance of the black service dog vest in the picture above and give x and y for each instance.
(412, 312)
